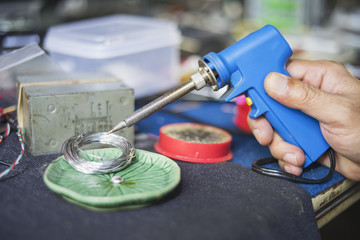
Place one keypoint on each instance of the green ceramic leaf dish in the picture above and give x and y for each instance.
(148, 178)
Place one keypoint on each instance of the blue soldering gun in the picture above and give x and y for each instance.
(243, 67)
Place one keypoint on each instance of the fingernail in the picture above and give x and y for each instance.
(257, 134)
(278, 83)
(290, 158)
(293, 170)
(287, 169)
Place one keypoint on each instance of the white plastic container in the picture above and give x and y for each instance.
(142, 51)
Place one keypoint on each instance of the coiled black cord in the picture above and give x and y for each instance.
(257, 167)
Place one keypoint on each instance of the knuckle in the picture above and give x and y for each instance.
(335, 66)
(306, 95)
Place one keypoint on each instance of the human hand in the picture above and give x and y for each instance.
(329, 93)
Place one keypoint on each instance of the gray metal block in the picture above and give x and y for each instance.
(53, 113)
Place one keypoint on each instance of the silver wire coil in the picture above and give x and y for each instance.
(72, 147)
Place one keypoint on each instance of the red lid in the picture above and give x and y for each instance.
(194, 143)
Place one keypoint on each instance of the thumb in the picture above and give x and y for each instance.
(296, 94)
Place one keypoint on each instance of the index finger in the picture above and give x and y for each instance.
(311, 72)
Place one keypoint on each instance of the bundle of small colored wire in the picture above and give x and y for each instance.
(19, 133)
(7, 132)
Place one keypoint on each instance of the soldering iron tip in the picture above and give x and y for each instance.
(119, 126)
(111, 131)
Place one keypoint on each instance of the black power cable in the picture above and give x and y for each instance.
(257, 167)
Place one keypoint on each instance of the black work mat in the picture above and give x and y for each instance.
(213, 201)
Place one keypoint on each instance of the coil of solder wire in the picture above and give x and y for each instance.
(72, 148)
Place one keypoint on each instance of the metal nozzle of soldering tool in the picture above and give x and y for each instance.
(197, 81)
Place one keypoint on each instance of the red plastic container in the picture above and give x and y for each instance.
(192, 142)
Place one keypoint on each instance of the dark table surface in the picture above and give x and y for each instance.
(213, 201)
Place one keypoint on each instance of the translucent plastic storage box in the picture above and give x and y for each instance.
(142, 51)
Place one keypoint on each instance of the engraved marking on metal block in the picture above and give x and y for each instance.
(97, 122)
(53, 143)
(52, 108)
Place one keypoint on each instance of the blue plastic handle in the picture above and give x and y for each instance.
(244, 66)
